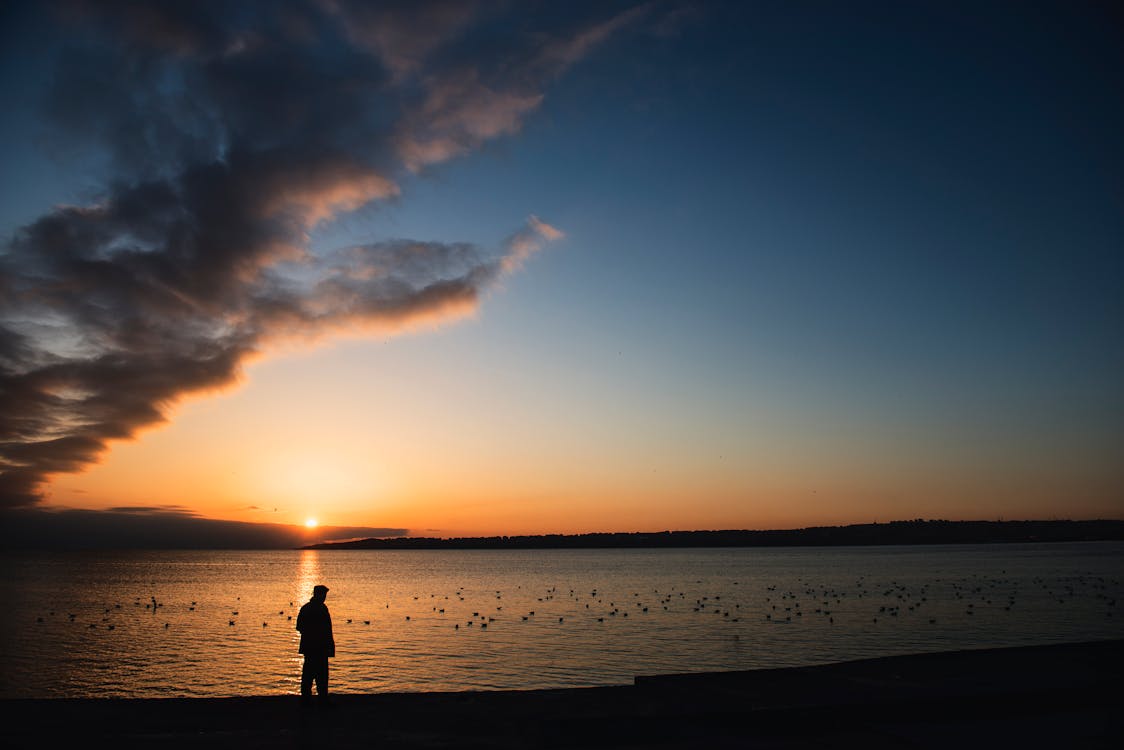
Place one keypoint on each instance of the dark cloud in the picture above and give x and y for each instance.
(225, 134)
(159, 527)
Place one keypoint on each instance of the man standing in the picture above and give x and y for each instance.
(317, 644)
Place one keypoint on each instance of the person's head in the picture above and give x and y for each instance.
(319, 592)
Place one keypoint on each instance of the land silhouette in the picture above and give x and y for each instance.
(917, 531)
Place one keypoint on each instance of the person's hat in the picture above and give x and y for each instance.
(319, 587)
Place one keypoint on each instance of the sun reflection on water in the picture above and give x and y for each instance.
(308, 576)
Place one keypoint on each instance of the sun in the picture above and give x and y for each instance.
(311, 523)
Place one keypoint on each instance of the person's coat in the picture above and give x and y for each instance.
(315, 626)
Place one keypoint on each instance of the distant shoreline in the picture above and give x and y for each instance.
(917, 532)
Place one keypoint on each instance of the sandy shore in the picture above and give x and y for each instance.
(1062, 696)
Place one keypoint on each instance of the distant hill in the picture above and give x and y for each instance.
(895, 532)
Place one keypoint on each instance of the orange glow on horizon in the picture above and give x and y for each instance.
(401, 436)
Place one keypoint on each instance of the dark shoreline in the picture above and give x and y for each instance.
(916, 532)
(1064, 695)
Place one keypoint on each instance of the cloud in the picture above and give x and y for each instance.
(159, 527)
(224, 135)
(527, 241)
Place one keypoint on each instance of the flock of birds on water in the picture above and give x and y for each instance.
(862, 604)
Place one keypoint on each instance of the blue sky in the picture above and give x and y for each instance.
(903, 221)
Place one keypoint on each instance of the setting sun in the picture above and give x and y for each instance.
(310, 523)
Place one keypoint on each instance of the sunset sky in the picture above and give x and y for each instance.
(452, 269)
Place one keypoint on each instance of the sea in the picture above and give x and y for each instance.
(152, 624)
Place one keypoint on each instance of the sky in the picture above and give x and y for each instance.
(455, 268)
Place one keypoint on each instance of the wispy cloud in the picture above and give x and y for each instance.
(228, 134)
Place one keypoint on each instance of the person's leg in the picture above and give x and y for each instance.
(308, 673)
(322, 679)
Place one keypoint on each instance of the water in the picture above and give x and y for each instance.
(83, 624)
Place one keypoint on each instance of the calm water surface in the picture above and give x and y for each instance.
(83, 624)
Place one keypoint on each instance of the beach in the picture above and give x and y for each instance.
(1064, 695)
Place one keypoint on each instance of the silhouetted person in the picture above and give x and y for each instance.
(317, 644)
